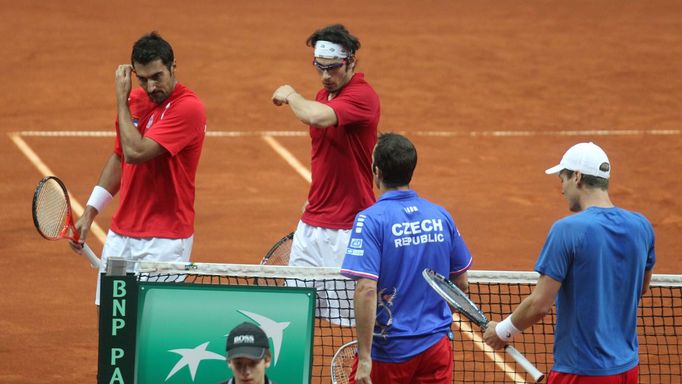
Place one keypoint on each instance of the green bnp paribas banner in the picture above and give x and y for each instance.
(182, 330)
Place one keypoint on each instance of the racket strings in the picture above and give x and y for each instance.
(463, 302)
(279, 253)
(52, 209)
(343, 364)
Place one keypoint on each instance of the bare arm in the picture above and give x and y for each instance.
(136, 148)
(538, 304)
(365, 300)
(109, 179)
(647, 281)
(310, 112)
(531, 310)
(461, 281)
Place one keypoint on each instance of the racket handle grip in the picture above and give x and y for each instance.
(525, 364)
(87, 252)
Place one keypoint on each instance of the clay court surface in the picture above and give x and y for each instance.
(491, 92)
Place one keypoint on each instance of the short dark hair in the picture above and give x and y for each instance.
(151, 47)
(338, 34)
(396, 157)
(589, 180)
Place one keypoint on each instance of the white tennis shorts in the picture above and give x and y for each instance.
(143, 249)
(324, 247)
(318, 247)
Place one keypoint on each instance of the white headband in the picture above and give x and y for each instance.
(329, 50)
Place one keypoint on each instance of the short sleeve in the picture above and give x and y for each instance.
(355, 107)
(460, 256)
(179, 125)
(651, 255)
(556, 255)
(363, 255)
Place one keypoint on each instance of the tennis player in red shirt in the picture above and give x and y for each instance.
(342, 120)
(160, 132)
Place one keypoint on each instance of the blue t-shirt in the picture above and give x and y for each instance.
(392, 242)
(599, 255)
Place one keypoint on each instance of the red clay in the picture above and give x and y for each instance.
(439, 66)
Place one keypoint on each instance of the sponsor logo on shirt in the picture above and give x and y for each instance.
(411, 209)
(150, 122)
(355, 252)
(356, 243)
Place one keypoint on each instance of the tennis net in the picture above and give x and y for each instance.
(496, 292)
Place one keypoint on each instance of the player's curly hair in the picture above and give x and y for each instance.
(336, 33)
(396, 157)
(151, 47)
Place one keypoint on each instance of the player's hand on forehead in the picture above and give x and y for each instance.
(124, 69)
(123, 81)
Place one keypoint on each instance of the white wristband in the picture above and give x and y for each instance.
(505, 329)
(99, 198)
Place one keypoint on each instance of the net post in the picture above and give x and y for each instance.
(117, 323)
(116, 266)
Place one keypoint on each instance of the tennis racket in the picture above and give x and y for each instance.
(52, 214)
(461, 302)
(342, 362)
(279, 253)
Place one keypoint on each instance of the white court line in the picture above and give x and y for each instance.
(492, 355)
(256, 133)
(208, 134)
(42, 168)
(288, 157)
(501, 134)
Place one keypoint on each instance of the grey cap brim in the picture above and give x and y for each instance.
(253, 353)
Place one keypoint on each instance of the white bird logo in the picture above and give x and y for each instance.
(272, 329)
(191, 357)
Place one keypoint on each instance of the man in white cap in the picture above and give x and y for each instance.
(597, 263)
(342, 120)
(248, 354)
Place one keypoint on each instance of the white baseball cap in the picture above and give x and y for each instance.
(586, 158)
